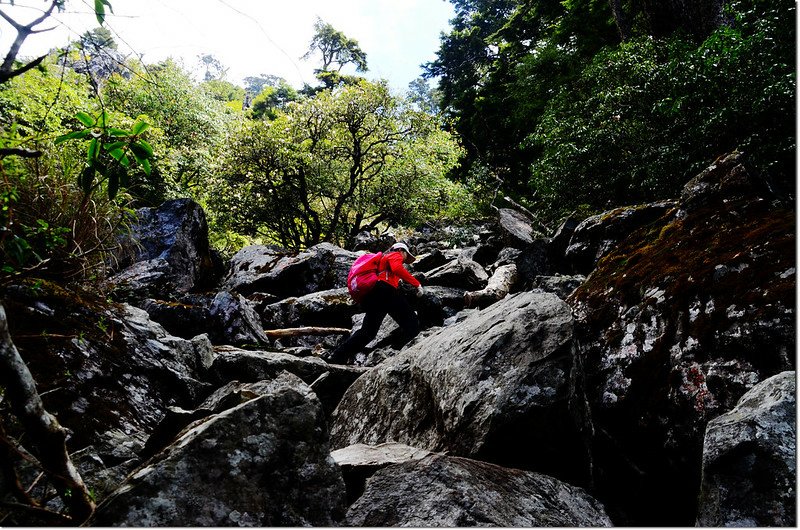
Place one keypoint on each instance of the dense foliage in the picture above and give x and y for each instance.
(330, 166)
(624, 109)
(564, 104)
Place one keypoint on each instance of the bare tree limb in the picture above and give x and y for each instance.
(44, 432)
(294, 332)
(496, 289)
(23, 32)
(18, 151)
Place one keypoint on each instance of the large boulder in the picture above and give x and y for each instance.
(462, 273)
(329, 381)
(226, 317)
(596, 236)
(516, 228)
(106, 371)
(235, 322)
(281, 273)
(497, 386)
(445, 491)
(330, 308)
(168, 253)
(265, 462)
(676, 323)
(749, 459)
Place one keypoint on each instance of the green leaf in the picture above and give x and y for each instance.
(117, 154)
(93, 151)
(145, 167)
(140, 126)
(118, 133)
(74, 135)
(142, 148)
(85, 119)
(100, 11)
(114, 146)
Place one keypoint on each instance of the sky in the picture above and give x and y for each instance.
(251, 37)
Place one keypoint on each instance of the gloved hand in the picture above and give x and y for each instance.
(420, 291)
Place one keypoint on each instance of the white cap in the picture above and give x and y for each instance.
(402, 246)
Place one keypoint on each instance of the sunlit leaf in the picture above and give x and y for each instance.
(85, 119)
(93, 151)
(74, 135)
(140, 126)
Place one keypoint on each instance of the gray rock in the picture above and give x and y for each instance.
(560, 285)
(232, 364)
(496, 385)
(263, 463)
(749, 459)
(330, 308)
(460, 274)
(235, 321)
(443, 491)
(281, 273)
(596, 236)
(675, 324)
(168, 253)
(516, 228)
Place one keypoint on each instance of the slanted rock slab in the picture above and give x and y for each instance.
(749, 459)
(444, 491)
(263, 463)
(495, 386)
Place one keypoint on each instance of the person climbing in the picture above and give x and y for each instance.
(384, 299)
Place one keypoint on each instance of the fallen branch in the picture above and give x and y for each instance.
(295, 332)
(46, 436)
(497, 288)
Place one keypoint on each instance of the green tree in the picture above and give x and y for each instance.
(188, 127)
(330, 166)
(255, 84)
(336, 51)
(426, 98)
(500, 64)
(215, 69)
(272, 99)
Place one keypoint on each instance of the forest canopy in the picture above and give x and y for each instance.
(568, 107)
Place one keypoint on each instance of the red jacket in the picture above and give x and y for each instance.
(392, 270)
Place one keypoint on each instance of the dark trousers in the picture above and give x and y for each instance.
(381, 301)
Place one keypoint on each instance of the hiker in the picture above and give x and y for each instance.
(384, 298)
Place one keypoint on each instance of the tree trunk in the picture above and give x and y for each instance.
(45, 435)
(621, 19)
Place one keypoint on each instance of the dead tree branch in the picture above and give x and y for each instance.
(46, 436)
(7, 70)
(294, 332)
